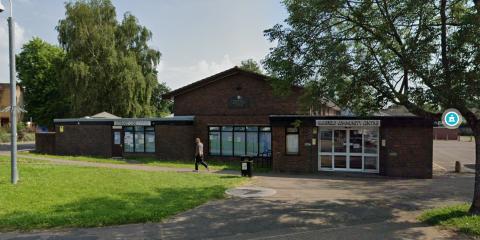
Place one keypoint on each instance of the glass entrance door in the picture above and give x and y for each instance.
(348, 149)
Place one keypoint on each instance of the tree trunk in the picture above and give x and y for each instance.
(475, 208)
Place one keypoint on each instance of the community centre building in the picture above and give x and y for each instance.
(235, 113)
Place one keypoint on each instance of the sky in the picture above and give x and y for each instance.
(196, 38)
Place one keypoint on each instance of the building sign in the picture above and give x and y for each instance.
(238, 102)
(126, 122)
(348, 123)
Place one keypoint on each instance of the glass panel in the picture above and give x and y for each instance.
(370, 163)
(371, 140)
(239, 144)
(252, 143)
(325, 161)
(265, 143)
(214, 128)
(252, 129)
(240, 129)
(214, 143)
(227, 128)
(150, 142)
(227, 143)
(340, 161)
(128, 142)
(116, 138)
(128, 128)
(326, 140)
(138, 128)
(356, 141)
(292, 143)
(139, 142)
(356, 162)
(149, 129)
(340, 140)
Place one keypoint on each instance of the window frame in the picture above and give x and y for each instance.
(134, 132)
(245, 131)
(287, 133)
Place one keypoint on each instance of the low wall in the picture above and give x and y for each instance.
(440, 133)
(45, 142)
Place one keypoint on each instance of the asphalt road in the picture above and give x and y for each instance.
(21, 146)
(445, 153)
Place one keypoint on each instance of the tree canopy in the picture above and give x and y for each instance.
(251, 65)
(109, 65)
(37, 67)
(366, 55)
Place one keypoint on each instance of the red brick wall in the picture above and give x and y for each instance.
(408, 152)
(305, 161)
(212, 99)
(440, 133)
(174, 142)
(89, 140)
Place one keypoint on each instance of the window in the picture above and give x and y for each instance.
(139, 139)
(239, 140)
(292, 141)
(214, 140)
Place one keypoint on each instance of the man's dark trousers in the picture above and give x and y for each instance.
(199, 159)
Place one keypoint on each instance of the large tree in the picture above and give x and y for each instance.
(251, 65)
(37, 66)
(108, 65)
(424, 55)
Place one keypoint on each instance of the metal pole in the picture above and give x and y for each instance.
(13, 99)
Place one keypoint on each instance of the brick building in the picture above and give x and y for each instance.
(5, 102)
(236, 114)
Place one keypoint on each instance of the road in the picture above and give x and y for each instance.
(445, 153)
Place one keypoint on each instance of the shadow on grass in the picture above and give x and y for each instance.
(112, 209)
(436, 219)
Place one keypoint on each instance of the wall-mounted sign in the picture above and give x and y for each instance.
(348, 123)
(238, 102)
(61, 129)
(126, 122)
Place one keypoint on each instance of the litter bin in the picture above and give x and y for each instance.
(246, 165)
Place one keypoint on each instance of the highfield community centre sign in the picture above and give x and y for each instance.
(348, 123)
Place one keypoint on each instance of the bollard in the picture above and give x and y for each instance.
(458, 167)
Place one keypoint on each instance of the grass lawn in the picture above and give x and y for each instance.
(455, 217)
(49, 195)
(147, 161)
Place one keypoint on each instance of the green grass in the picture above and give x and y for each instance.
(49, 195)
(455, 217)
(215, 165)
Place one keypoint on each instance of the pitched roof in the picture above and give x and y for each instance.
(105, 115)
(211, 79)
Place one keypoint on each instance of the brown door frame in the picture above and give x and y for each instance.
(117, 149)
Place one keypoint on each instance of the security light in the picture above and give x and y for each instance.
(2, 8)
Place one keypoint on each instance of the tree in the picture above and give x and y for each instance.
(251, 65)
(37, 66)
(162, 106)
(108, 65)
(424, 55)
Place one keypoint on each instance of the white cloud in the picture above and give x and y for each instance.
(4, 57)
(178, 76)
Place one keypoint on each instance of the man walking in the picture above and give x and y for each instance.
(199, 154)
